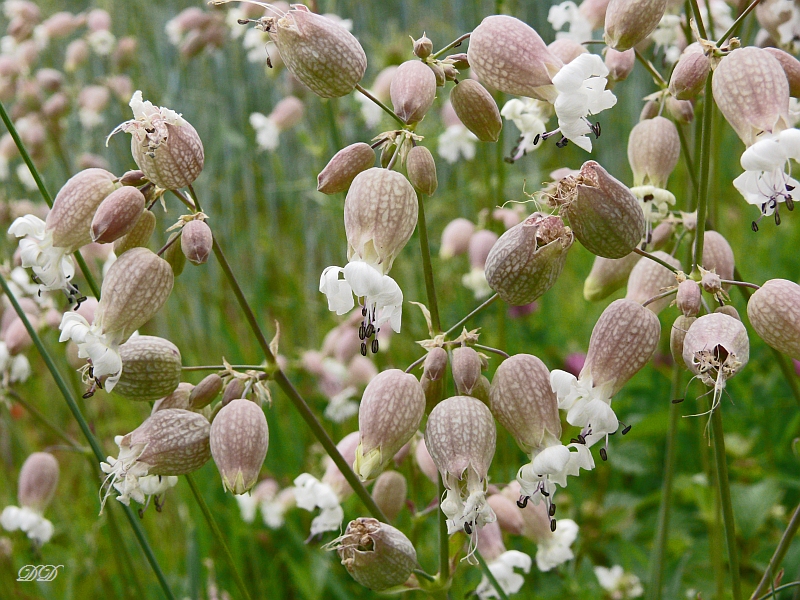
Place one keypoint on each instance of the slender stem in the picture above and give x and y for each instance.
(454, 44)
(662, 531)
(212, 523)
(87, 432)
(424, 575)
(223, 367)
(780, 553)
(195, 199)
(385, 108)
(37, 414)
(741, 283)
(45, 194)
(333, 126)
(501, 593)
(493, 350)
(174, 239)
(657, 77)
(659, 296)
(705, 169)
(780, 588)
(698, 18)
(123, 558)
(725, 498)
(687, 157)
(737, 22)
(655, 259)
(472, 314)
(444, 538)
(395, 154)
(416, 363)
(430, 289)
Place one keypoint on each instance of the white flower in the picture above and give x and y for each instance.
(149, 122)
(247, 506)
(767, 178)
(379, 295)
(587, 406)
(555, 550)
(475, 280)
(455, 142)
(465, 503)
(667, 35)
(567, 13)
(370, 112)
(341, 406)
(655, 202)
(39, 529)
(503, 570)
(581, 92)
(19, 368)
(619, 584)
(52, 265)
(311, 493)
(101, 41)
(551, 464)
(255, 42)
(94, 344)
(530, 117)
(787, 30)
(267, 131)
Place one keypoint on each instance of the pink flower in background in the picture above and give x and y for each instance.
(573, 363)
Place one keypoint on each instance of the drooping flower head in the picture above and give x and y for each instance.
(774, 312)
(239, 439)
(38, 479)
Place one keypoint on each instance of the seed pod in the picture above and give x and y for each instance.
(523, 401)
(466, 369)
(151, 368)
(716, 342)
(196, 241)
(619, 64)
(38, 479)
(677, 335)
(177, 398)
(117, 215)
(653, 151)
(608, 275)
(623, 340)
(774, 312)
(528, 258)
(423, 47)
(688, 298)
(509, 56)
(233, 391)
(603, 213)
(319, 52)
(455, 237)
(139, 235)
(340, 171)
(239, 440)
(791, 66)
(477, 110)
(391, 410)
(690, 73)
(752, 92)
(421, 169)
(204, 392)
(376, 555)
(70, 218)
(628, 22)
(390, 492)
(435, 364)
(718, 255)
(648, 279)
(412, 91)
(380, 214)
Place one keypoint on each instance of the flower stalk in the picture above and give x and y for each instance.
(454, 44)
(430, 289)
(477, 310)
(385, 108)
(490, 576)
(780, 553)
(705, 169)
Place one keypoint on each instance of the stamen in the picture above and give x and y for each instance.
(553, 525)
(523, 501)
(375, 346)
(603, 454)
(363, 349)
(552, 510)
(468, 528)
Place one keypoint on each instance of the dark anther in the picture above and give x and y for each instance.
(603, 454)
(545, 493)
(523, 501)
(363, 311)
(363, 349)
(375, 346)
(537, 139)
(581, 439)
(754, 226)
(677, 400)
(79, 301)
(562, 142)
(159, 505)
(574, 441)
(627, 429)
(269, 61)
(644, 245)
(370, 330)
(789, 203)
(648, 197)
(508, 159)
(362, 332)
(88, 393)
(467, 528)
(553, 525)
(552, 510)
(789, 188)
(141, 513)
(777, 218)
(596, 129)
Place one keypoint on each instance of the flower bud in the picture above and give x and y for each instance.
(730, 310)
(319, 52)
(287, 113)
(204, 392)
(17, 338)
(477, 109)
(690, 73)
(174, 255)
(177, 398)
(412, 91)
(423, 47)
(456, 237)
(460, 60)
(466, 369)
(718, 255)
(340, 171)
(774, 312)
(425, 462)
(716, 347)
(603, 213)
(151, 368)
(421, 169)
(752, 92)
(390, 492)
(791, 66)
(680, 110)
(377, 555)
(38, 480)
(653, 151)
(677, 335)
(608, 275)
(233, 391)
(439, 73)
(688, 298)
(135, 178)
(566, 50)
(75, 204)
(628, 22)
(139, 235)
(528, 258)
(619, 64)
(508, 55)
(196, 241)
(434, 391)
(649, 110)
(648, 279)
(117, 215)
(435, 364)
(380, 214)
(239, 438)
(480, 245)
(391, 410)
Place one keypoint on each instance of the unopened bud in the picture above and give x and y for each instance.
(774, 312)
(628, 22)
(139, 235)
(455, 237)
(438, 72)
(718, 255)
(730, 310)
(17, 338)
(466, 369)
(450, 73)
(434, 391)
(239, 439)
(233, 391)
(204, 392)
(340, 171)
(38, 480)
(619, 64)
(287, 113)
(480, 245)
(649, 278)
(412, 91)
(460, 60)
(421, 169)
(135, 178)
(690, 73)
(174, 255)
(117, 215)
(423, 47)
(566, 50)
(608, 275)
(151, 368)
(680, 110)
(435, 363)
(689, 298)
(390, 492)
(509, 516)
(649, 110)
(74, 206)
(196, 241)
(676, 336)
(177, 398)
(653, 151)
(710, 282)
(528, 258)
(376, 555)
(791, 66)
(477, 110)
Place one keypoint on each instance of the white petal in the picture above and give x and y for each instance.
(338, 291)
(551, 460)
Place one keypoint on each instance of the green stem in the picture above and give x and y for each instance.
(472, 314)
(195, 199)
(98, 451)
(654, 258)
(424, 575)
(212, 523)
(385, 108)
(223, 367)
(725, 498)
(662, 531)
(430, 289)
(737, 22)
(37, 414)
(490, 576)
(687, 157)
(444, 538)
(780, 553)
(454, 44)
(45, 194)
(698, 18)
(333, 126)
(123, 557)
(657, 77)
(705, 169)
(492, 350)
(785, 586)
